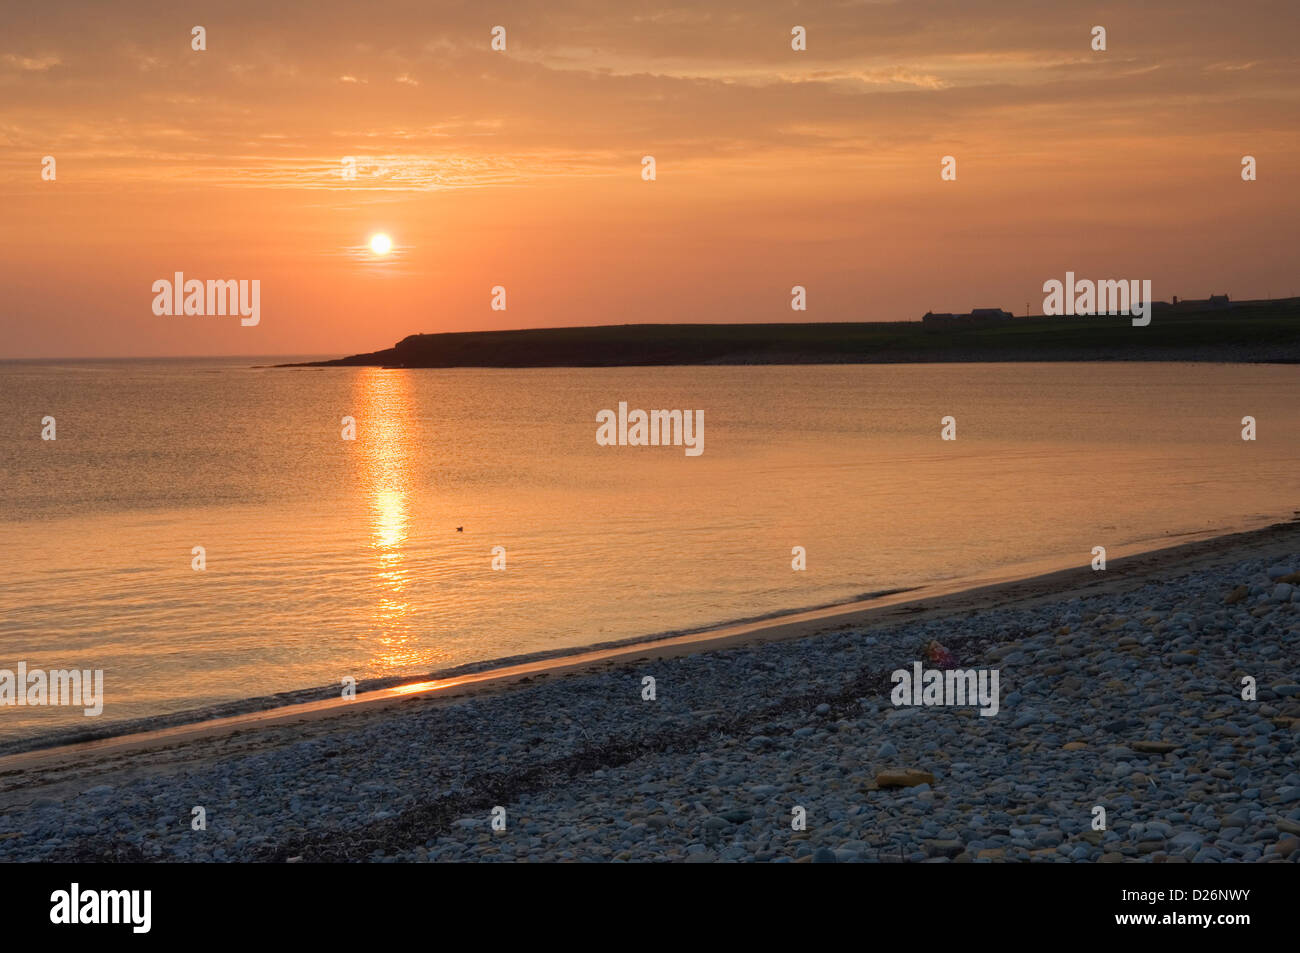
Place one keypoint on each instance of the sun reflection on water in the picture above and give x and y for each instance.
(386, 455)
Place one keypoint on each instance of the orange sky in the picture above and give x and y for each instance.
(522, 168)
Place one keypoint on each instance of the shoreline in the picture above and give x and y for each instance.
(1025, 583)
(1207, 356)
(1207, 333)
(1122, 693)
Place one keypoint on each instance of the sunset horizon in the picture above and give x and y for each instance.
(276, 152)
(732, 432)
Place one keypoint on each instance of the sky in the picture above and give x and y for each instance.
(522, 168)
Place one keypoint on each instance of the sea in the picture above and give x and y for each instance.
(202, 531)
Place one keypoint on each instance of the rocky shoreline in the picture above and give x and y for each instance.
(1128, 701)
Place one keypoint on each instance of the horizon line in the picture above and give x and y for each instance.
(556, 327)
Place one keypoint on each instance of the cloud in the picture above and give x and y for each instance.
(705, 86)
(31, 64)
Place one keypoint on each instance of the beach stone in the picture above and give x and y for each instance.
(943, 848)
(1121, 724)
(909, 777)
(1232, 598)
(824, 855)
(1153, 747)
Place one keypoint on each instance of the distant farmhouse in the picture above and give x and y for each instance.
(986, 317)
(933, 320)
(1212, 303)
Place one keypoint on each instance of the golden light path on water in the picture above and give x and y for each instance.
(383, 450)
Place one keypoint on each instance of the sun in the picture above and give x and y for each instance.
(381, 244)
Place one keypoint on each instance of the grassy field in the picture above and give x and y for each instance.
(1253, 331)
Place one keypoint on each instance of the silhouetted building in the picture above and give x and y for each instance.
(1212, 303)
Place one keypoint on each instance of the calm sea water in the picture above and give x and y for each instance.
(328, 558)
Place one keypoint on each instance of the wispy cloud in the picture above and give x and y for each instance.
(30, 64)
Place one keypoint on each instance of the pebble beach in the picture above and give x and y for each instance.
(1126, 696)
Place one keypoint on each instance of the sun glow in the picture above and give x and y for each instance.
(381, 244)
